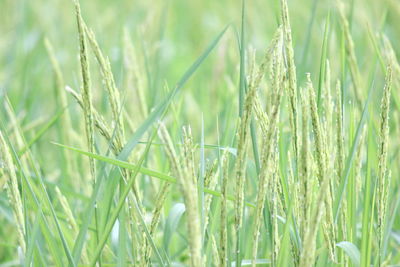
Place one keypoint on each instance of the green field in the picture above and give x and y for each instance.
(199, 133)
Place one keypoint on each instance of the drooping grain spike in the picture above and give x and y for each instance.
(382, 180)
(108, 77)
(325, 194)
(99, 122)
(240, 167)
(14, 196)
(223, 253)
(162, 194)
(305, 166)
(351, 56)
(188, 185)
(268, 140)
(274, 200)
(210, 181)
(86, 88)
(358, 164)
(292, 88)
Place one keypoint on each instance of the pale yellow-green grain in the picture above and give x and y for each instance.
(382, 183)
(305, 169)
(7, 169)
(223, 227)
(350, 51)
(108, 79)
(188, 185)
(86, 88)
(268, 140)
(321, 158)
(291, 72)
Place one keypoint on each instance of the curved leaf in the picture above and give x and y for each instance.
(351, 250)
(172, 222)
